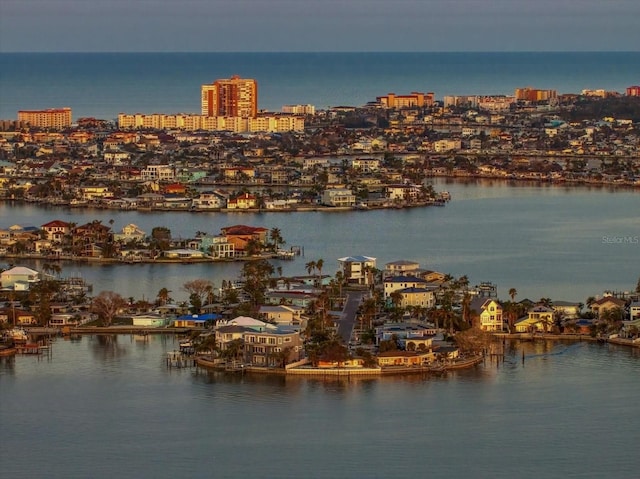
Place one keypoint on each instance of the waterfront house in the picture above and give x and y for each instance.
(62, 319)
(150, 200)
(87, 239)
(227, 334)
(195, 320)
(184, 254)
(605, 304)
(240, 235)
(272, 348)
(92, 193)
(19, 278)
(56, 230)
(209, 200)
(217, 246)
(243, 202)
(539, 318)
(634, 311)
(358, 269)
(338, 197)
(405, 358)
(487, 314)
(402, 192)
(155, 320)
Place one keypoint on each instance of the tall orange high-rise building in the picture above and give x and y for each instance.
(231, 97)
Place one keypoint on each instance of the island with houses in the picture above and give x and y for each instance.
(59, 240)
(401, 319)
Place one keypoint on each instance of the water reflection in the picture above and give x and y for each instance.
(7, 365)
(105, 347)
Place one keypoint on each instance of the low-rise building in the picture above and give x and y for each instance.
(19, 278)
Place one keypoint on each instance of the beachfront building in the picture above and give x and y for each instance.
(299, 109)
(633, 90)
(272, 123)
(55, 118)
(413, 100)
(358, 269)
(230, 97)
(535, 95)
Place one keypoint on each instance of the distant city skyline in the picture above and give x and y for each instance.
(318, 25)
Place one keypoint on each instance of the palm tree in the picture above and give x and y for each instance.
(276, 237)
(310, 266)
(319, 265)
(513, 292)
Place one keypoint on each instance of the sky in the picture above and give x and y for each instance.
(319, 25)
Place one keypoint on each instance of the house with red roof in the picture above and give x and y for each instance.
(56, 230)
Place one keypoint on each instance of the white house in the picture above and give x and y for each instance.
(19, 278)
(338, 197)
(149, 319)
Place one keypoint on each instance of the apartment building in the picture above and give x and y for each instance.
(55, 118)
(230, 97)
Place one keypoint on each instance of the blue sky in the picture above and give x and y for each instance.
(319, 25)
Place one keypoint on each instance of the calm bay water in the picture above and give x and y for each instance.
(102, 408)
(105, 84)
(545, 241)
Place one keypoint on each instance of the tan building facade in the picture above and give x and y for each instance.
(55, 118)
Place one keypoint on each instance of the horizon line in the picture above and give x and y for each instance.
(314, 51)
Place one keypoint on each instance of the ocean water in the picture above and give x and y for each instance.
(105, 84)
